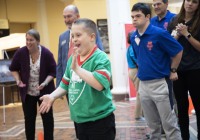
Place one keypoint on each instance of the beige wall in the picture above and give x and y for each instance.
(21, 10)
(56, 26)
(20, 13)
(2, 9)
(23, 14)
(87, 8)
(174, 9)
(93, 9)
(19, 27)
(132, 2)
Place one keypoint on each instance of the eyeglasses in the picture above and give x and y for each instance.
(157, 4)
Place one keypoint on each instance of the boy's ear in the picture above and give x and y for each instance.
(93, 36)
(148, 16)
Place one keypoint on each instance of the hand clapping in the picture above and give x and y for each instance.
(182, 29)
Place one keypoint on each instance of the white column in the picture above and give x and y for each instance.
(42, 24)
(118, 14)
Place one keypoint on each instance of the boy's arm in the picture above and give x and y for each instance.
(48, 99)
(59, 92)
(87, 76)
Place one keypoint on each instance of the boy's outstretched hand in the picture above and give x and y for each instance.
(46, 104)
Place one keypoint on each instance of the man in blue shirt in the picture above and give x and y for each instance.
(132, 72)
(162, 20)
(157, 64)
(163, 15)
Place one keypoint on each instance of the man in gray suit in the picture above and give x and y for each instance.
(70, 14)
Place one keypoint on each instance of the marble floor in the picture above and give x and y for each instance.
(12, 122)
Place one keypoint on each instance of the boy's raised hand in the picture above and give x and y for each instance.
(74, 64)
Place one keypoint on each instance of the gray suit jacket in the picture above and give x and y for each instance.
(63, 52)
(63, 48)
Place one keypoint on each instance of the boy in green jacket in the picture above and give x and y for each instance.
(87, 83)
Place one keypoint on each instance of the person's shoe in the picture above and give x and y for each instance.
(140, 119)
(163, 133)
(147, 136)
(193, 112)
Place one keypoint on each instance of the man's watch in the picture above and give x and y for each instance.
(188, 36)
(173, 70)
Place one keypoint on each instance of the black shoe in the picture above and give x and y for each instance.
(147, 136)
(140, 119)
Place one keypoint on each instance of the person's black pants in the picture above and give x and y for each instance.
(30, 113)
(188, 81)
(170, 86)
(103, 129)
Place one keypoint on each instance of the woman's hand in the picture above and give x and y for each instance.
(182, 29)
(20, 84)
(41, 86)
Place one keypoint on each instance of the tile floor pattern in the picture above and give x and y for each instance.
(126, 127)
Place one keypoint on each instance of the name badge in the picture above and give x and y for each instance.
(137, 40)
(63, 42)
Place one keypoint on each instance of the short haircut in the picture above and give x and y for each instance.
(165, 1)
(76, 10)
(34, 33)
(73, 8)
(89, 25)
(144, 8)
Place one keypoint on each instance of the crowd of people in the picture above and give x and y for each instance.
(164, 65)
